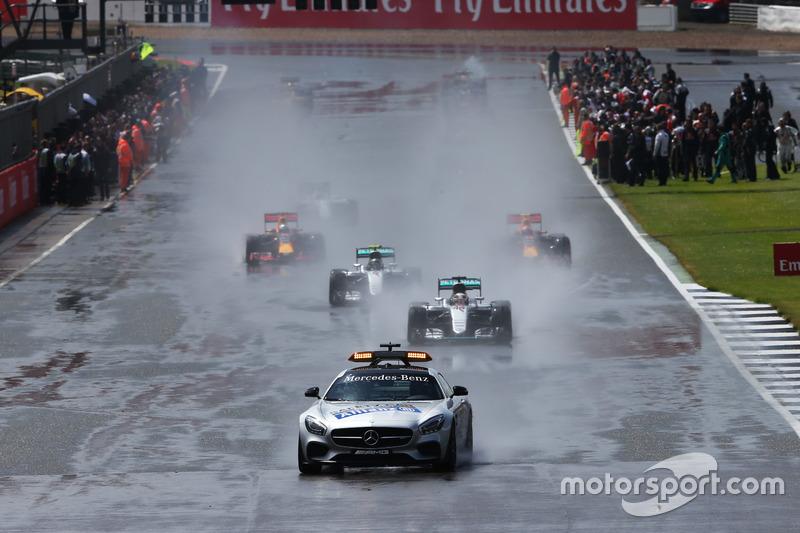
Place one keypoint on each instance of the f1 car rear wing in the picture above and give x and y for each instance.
(468, 284)
(531, 218)
(364, 253)
(272, 220)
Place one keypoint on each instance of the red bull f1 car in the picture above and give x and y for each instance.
(283, 241)
(460, 317)
(530, 242)
(375, 272)
(388, 411)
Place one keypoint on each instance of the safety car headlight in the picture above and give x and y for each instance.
(432, 425)
(315, 426)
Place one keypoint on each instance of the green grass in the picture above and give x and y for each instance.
(723, 233)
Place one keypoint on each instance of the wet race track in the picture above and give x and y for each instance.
(151, 383)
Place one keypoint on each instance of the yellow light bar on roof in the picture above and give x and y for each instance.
(418, 356)
(360, 356)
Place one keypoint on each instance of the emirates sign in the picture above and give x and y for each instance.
(786, 257)
(434, 15)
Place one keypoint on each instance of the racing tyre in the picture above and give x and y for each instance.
(314, 246)
(337, 288)
(250, 247)
(562, 249)
(304, 466)
(417, 323)
(501, 318)
(260, 244)
(449, 462)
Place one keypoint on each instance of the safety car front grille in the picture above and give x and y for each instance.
(358, 438)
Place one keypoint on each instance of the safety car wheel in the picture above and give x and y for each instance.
(304, 466)
(468, 443)
(449, 462)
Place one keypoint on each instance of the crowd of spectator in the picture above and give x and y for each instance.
(110, 143)
(633, 123)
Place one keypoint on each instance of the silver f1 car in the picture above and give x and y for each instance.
(388, 412)
(283, 241)
(459, 317)
(534, 244)
(371, 277)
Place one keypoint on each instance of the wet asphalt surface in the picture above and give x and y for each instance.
(148, 382)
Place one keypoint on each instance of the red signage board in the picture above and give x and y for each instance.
(786, 256)
(437, 15)
(18, 7)
(17, 190)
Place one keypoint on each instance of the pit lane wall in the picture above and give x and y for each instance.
(437, 15)
(17, 190)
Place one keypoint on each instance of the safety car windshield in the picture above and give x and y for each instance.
(385, 385)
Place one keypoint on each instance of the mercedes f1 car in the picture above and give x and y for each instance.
(387, 412)
(319, 204)
(459, 317)
(283, 241)
(370, 278)
(530, 242)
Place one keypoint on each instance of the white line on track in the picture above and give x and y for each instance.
(47, 252)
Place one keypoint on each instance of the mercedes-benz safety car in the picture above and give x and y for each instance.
(460, 317)
(464, 89)
(374, 272)
(530, 242)
(387, 412)
(319, 204)
(283, 241)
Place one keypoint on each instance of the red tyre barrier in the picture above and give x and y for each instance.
(437, 15)
(17, 190)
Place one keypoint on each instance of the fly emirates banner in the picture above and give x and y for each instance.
(437, 15)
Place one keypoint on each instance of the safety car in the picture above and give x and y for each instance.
(530, 242)
(283, 241)
(389, 411)
(460, 317)
(374, 272)
(317, 203)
